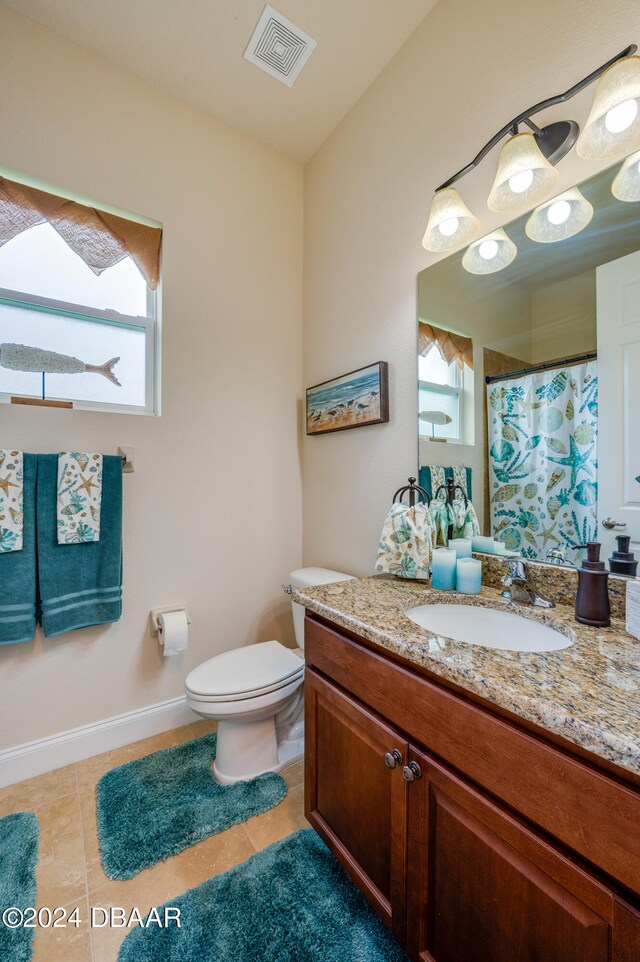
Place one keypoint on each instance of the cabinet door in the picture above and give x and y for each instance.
(483, 887)
(356, 803)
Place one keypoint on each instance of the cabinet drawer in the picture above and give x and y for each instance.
(586, 809)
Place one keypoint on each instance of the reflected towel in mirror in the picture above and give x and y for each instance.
(459, 516)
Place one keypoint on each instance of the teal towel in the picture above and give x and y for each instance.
(80, 584)
(425, 479)
(18, 571)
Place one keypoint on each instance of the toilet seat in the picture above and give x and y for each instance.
(245, 673)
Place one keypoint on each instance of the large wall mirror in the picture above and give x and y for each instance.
(529, 377)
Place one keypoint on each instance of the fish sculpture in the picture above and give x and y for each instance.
(21, 357)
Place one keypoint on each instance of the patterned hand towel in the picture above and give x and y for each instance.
(11, 510)
(79, 497)
(464, 520)
(406, 542)
(18, 566)
(80, 584)
(461, 517)
(432, 476)
(440, 521)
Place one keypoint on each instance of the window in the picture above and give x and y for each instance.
(445, 384)
(101, 328)
(441, 389)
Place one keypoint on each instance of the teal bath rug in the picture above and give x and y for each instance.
(19, 837)
(159, 805)
(290, 903)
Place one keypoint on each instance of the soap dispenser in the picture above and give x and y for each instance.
(592, 599)
(623, 561)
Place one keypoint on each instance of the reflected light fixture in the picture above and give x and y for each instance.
(524, 175)
(626, 184)
(559, 218)
(451, 223)
(526, 172)
(490, 254)
(613, 126)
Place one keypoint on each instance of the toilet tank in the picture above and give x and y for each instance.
(308, 578)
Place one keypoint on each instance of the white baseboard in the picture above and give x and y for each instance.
(45, 754)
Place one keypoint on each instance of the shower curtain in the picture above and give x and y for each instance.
(543, 433)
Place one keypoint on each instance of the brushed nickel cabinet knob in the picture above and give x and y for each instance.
(393, 758)
(411, 771)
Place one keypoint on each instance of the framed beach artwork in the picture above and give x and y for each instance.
(351, 401)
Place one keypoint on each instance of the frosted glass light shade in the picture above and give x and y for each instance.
(626, 184)
(559, 218)
(489, 254)
(613, 126)
(451, 224)
(524, 175)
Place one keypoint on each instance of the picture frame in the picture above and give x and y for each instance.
(352, 400)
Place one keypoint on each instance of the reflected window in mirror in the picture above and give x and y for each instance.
(445, 375)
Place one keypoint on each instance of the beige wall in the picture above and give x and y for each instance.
(563, 318)
(213, 512)
(466, 70)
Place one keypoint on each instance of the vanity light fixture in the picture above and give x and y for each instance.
(525, 170)
(559, 218)
(490, 253)
(613, 126)
(524, 175)
(451, 223)
(626, 184)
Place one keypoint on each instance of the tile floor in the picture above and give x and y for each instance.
(69, 869)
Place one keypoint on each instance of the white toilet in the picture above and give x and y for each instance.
(255, 694)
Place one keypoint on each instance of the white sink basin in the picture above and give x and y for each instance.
(487, 627)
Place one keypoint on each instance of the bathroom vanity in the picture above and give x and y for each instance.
(487, 803)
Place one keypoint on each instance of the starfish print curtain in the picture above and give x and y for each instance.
(543, 435)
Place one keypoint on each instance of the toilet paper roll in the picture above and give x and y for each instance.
(173, 631)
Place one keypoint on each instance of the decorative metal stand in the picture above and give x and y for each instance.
(415, 493)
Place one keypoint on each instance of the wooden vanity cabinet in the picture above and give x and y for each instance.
(353, 801)
(457, 875)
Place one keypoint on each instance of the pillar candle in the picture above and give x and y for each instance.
(468, 576)
(443, 567)
(499, 547)
(483, 544)
(461, 546)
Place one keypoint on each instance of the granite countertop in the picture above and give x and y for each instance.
(588, 693)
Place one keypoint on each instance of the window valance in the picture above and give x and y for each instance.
(452, 347)
(99, 238)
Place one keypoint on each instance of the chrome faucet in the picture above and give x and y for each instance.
(518, 587)
(558, 555)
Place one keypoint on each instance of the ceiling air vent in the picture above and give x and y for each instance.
(279, 47)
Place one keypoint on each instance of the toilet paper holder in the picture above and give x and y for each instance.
(155, 612)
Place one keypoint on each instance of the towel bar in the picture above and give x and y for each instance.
(128, 455)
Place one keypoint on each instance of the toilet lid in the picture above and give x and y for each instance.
(252, 669)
